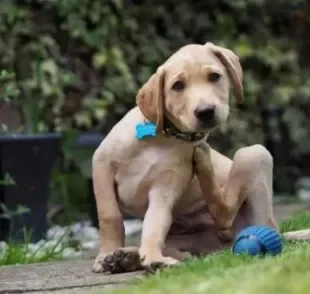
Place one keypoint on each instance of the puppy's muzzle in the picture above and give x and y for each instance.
(206, 114)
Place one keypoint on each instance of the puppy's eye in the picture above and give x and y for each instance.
(214, 76)
(178, 86)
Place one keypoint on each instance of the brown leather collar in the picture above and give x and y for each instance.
(171, 131)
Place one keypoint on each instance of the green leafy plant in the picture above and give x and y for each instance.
(6, 213)
(16, 253)
(7, 86)
(78, 64)
(33, 55)
(7, 180)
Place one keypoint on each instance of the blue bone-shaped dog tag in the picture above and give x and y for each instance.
(147, 129)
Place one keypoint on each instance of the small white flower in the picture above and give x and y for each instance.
(70, 252)
(57, 232)
(86, 234)
(75, 228)
(3, 246)
(89, 245)
(32, 247)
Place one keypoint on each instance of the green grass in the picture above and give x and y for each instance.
(25, 253)
(225, 273)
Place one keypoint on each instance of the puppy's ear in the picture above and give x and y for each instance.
(233, 66)
(150, 98)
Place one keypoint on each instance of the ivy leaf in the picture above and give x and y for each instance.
(22, 209)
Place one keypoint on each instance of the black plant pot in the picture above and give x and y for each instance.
(28, 160)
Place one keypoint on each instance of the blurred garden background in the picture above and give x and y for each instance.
(73, 67)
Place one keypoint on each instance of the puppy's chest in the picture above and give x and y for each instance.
(136, 175)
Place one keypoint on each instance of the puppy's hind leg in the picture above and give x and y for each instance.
(250, 180)
(246, 198)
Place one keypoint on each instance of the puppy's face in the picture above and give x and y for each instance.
(194, 84)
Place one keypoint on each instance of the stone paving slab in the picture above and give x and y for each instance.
(62, 277)
(100, 289)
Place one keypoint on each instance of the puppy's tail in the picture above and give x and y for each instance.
(297, 235)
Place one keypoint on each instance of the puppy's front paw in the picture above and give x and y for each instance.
(153, 264)
(98, 263)
(121, 260)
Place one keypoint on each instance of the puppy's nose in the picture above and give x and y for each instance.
(205, 113)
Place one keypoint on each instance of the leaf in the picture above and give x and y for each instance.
(100, 113)
(83, 119)
(5, 76)
(118, 4)
(283, 93)
(7, 180)
(3, 207)
(99, 60)
(49, 66)
(22, 209)
(5, 215)
(243, 47)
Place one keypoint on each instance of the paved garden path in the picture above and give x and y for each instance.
(75, 276)
(58, 277)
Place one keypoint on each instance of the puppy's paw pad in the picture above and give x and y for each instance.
(131, 261)
(119, 253)
(119, 261)
(109, 259)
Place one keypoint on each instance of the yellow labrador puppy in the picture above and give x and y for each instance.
(147, 166)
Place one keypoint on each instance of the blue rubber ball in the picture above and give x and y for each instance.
(257, 240)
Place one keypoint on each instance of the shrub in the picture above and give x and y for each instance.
(79, 63)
